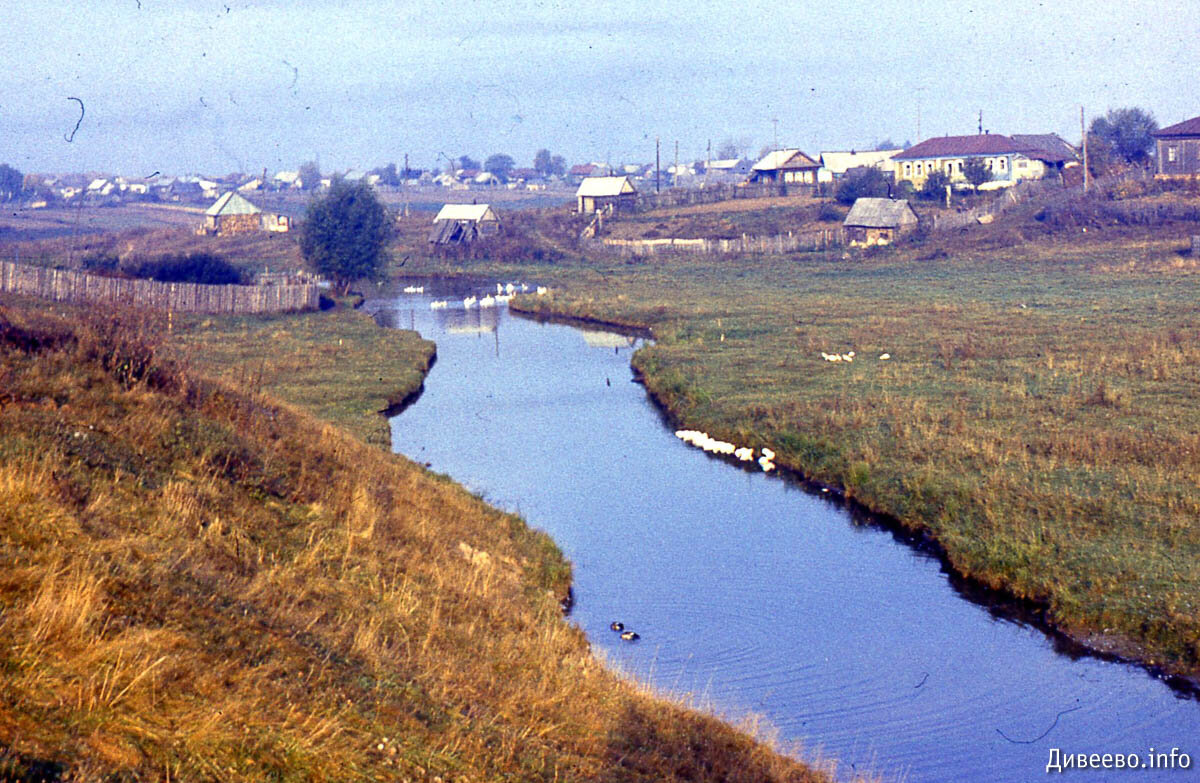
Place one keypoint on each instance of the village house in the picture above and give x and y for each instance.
(1008, 161)
(233, 214)
(1049, 148)
(834, 165)
(731, 167)
(787, 167)
(1178, 148)
(878, 221)
(462, 223)
(597, 193)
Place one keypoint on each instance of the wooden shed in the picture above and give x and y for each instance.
(1178, 148)
(596, 193)
(878, 221)
(232, 214)
(461, 223)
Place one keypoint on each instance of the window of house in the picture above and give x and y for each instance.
(907, 169)
(1170, 154)
(918, 169)
(1003, 163)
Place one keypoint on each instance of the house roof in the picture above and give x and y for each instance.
(727, 164)
(1046, 146)
(232, 204)
(605, 186)
(962, 146)
(471, 212)
(581, 170)
(841, 162)
(1186, 128)
(880, 213)
(785, 159)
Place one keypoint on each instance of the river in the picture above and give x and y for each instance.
(750, 593)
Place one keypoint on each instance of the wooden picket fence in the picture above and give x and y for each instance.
(711, 194)
(778, 243)
(68, 285)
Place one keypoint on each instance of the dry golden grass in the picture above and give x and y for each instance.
(199, 583)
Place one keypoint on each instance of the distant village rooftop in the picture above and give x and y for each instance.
(958, 146)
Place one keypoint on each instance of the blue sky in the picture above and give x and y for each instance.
(193, 86)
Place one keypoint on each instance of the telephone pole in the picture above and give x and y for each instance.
(1083, 131)
(676, 181)
(657, 166)
(919, 90)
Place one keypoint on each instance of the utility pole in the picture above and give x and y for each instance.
(707, 162)
(981, 122)
(404, 184)
(1087, 177)
(919, 90)
(676, 183)
(775, 145)
(657, 166)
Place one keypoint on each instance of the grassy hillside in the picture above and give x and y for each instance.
(198, 582)
(1039, 412)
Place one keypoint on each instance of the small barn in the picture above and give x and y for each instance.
(878, 221)
(457, 224)
(1178, 148)
(232, 214)
(597, 193)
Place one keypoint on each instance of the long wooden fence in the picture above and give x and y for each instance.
(778, 243)
(711, 194)
(68, 285)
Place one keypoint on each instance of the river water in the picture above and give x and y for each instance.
(751, 594)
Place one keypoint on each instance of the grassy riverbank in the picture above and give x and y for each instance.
(201, 582)
(1039, 413)
(338, 365)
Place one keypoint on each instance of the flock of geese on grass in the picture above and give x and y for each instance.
(504, 292)
(701, 440)
(849, 356)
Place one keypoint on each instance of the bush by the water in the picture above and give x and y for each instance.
(201, 267)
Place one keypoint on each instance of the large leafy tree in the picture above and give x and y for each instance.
(866, 181)
(345, 234)
(541, 162)
(310, 175)
(500, 165)
(11, 182)
(1127, 131)
(935, 185)
(976, 172)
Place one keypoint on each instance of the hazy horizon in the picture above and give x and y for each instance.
(214, 87)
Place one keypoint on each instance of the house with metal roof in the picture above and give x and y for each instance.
(834, 165)
(788, 167)
(878, 221)
(1178, 148)
(597, 193)
(1007, 160)
(232, 213)
(457, 224)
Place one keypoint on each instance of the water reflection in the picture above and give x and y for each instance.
(756, 595)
